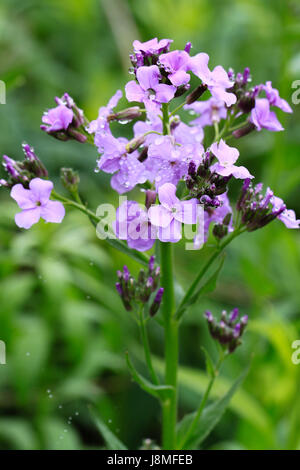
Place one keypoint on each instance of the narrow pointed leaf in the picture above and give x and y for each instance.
(112, 441)
(161, 392)
(209, 419)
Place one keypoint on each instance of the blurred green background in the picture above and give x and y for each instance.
(64, 326)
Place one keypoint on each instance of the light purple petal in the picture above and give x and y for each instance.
(58, 118)
(41, 189)
(199, 66)
(167, 195)
(23, 197)
(53, 211)
(241, 172)
(164, 93)
(28, 217)
(188, 211)
(221, 94)
(171, 233)
(148, 77)
(288, 217)
(134, 92)
(160, 216)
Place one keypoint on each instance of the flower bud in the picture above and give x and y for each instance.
(195, 94)
(70, 179)
(126, 114)
(156, 302)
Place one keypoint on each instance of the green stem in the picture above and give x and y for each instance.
(214, 256)
(195, 421)
(177, 108)
(147, 347)
(171, 347)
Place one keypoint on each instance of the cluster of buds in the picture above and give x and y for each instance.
(23, 172)
(221, 230)
(257, 209)
(245, 95)
(204, 184)
(66, 121)
(138, 291)
(148, 53)
(70, 179)
(229, 330)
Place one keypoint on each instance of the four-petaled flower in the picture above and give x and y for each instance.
(149, 89)
(172, 212)
(176, 64)
(227, 156)
(217, 80)
(263, 117)
(57, 119)
(35, 203)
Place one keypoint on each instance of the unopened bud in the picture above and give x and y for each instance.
(195, 94)
(244, 130)
(70, 179)
(135, 143)
(126, 114)
(156, 302)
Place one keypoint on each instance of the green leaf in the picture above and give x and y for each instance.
(208, 286)
(161, 392)
(210, 368)
(209, 419)
(112, 442)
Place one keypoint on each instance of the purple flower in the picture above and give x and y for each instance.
(100, 124)
(217, 80)
(287, 216)
(153, 46)
(165, 162)
(176, 64)
(210, 111)
(115, 158)
(132, 224)
(262, 117)
(149, 90)
(57, 119)
(35, 203)
(172, 212)
(274, 98)
(227, 156)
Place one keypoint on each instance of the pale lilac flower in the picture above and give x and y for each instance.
(288, 216)
(153, 46)
(35, 203)
(262, 117)
(132, 224)
(115, 158)
(100, 124)
(217, 80)
(227, 156)
(176, 64)
(149, 90)
(172, 212)
(274, 98)
(210, 111)
(57, 119)
(165, 162)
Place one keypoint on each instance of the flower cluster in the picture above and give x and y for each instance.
(164, 150)
(23, 172)
(229, 330)
(66, 121)
(134, 292)
(258, 209)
